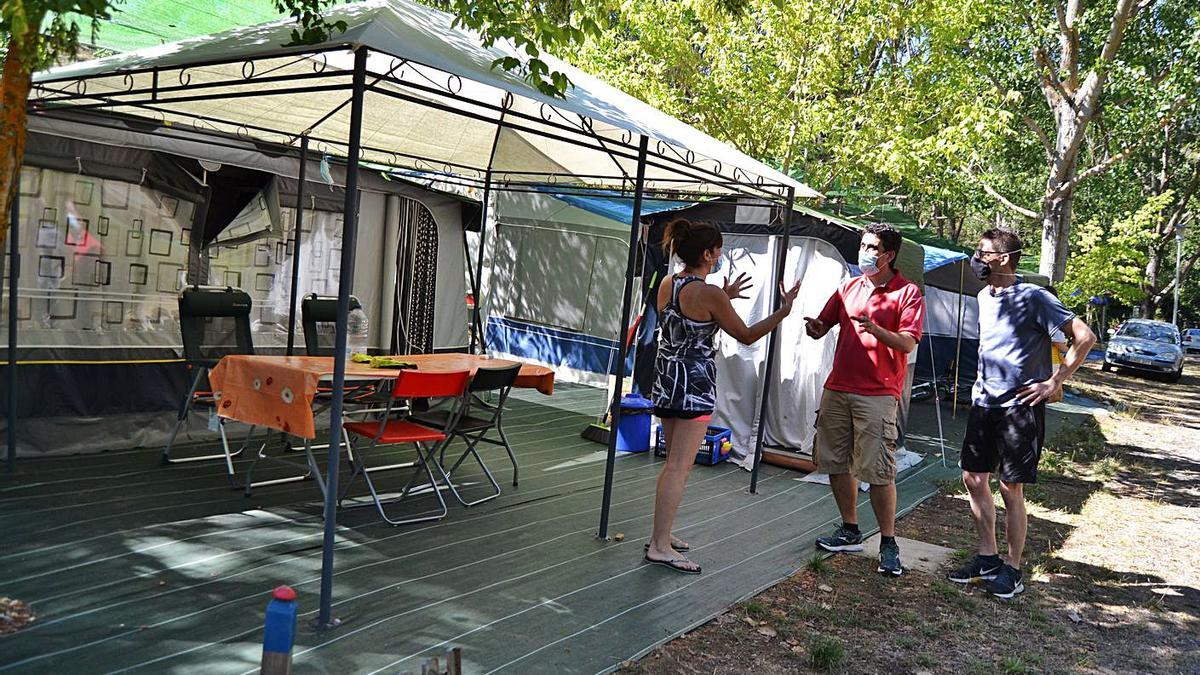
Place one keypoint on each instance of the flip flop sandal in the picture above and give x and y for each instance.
(680, 547)
(678, 564)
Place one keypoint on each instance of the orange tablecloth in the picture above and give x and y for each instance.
(278, 391)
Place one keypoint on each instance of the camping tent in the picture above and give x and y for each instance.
(110, 245)
(206, 99)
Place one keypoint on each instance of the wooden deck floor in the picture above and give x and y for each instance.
(133, 566)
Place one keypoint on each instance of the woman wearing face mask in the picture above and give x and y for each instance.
(685, 387)
(880, 314)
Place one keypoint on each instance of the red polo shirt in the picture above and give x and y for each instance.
(862, 364)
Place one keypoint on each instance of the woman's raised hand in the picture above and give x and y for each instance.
(737, 289)
(787, 297)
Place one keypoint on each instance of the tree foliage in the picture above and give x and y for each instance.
(533, 27)
(970, 114)
(1109, 258)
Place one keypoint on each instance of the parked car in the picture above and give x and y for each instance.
(1191, 340)
(1149, 346)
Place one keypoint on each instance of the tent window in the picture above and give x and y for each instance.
(104, 261)
(263, 268)
(577, 297)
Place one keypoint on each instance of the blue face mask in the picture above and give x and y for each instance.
(868, 262)
(717, 265)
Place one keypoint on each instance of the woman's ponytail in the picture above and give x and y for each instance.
(690, 240)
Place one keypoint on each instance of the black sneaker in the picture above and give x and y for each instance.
(974, 571)
(842, 540)
(889, 559)
(1007, 583)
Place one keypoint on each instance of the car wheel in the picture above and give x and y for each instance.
(1105, 366)
(1175, 377)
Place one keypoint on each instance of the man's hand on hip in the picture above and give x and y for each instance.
(1038, 392)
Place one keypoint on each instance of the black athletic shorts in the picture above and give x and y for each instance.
(1005, 439)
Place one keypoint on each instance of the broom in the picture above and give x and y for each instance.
(599, 430)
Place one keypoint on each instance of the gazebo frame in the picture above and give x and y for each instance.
(697, 178)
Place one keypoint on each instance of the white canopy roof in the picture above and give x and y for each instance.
(433, 102)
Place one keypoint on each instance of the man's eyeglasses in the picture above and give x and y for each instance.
(980, 253)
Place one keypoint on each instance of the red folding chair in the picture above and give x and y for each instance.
(409, 384)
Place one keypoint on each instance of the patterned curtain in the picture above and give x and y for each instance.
(416, 278)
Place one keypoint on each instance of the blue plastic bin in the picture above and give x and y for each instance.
(633, 431)
(714, 449)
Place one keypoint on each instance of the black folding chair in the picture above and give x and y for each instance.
(455, 349)
(214, 322)
(474, 422)
(318, 318)
(318, 313)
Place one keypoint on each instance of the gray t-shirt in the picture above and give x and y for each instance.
(1015, 325)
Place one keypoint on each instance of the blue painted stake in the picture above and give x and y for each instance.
(280, 632)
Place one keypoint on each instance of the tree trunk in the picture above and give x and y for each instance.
(1056, 232)
(1150, 302)
(16, 83)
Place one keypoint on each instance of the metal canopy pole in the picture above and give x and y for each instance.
(614, 406)
(937, 400)
(14, 277)
(297, 232)
(769, 371)
(962, 269)
(477, 281)
(325, 620)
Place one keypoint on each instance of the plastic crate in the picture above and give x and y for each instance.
(714, 449)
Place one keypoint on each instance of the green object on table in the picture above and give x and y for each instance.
(389, 362)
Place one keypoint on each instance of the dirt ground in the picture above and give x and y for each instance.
(1112, 569)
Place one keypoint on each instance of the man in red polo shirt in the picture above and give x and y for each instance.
(880, 314)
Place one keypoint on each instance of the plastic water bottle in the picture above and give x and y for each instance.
(357, 333)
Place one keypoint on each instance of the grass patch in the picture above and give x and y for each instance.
(756, 610)
(905, 642)
(1053, 463)
(818, 564)
(955, 625)
(1085, 438)
(825, 653)
(942, 589)
(979, 667)
(1107, 467)
(952, 487)
(1036, 615)
(810, 613)
(1014, 665)
(850, 620)
(926, 660)
(951, 594)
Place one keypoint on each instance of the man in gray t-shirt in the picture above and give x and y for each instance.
(1006, 427)
(1015, 326)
